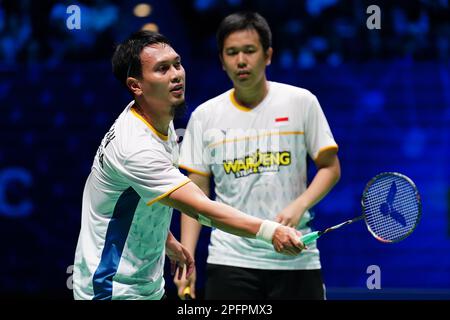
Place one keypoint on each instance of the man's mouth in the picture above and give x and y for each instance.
(178, 89)
(243, 74)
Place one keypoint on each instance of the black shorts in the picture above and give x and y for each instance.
(235, 283)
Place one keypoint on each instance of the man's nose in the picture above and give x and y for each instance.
(241, 60)
(177, 74)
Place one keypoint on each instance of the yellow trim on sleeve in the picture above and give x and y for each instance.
(160, 135)
(205, 174)
(236, 104)
(325, 149)
(168, 192)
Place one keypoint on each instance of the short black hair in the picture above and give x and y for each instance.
(242, 21)
(126, 60)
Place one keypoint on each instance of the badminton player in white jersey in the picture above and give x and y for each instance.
(134, 179)
(254, 140)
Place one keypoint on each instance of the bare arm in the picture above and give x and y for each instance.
(328, 174)
(190, 228)
(190, 200)
(190, 232)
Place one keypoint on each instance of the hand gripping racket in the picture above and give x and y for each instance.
(391, 208)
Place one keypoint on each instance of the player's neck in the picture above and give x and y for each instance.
(159, 122)
(251, 96)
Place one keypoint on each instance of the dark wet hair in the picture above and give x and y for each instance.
(242, 21)
(126, 61)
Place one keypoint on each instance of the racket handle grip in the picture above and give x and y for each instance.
(187, 293)
(310, 237)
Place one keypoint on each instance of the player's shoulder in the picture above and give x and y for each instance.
(212, 105)
(291, 90)
(133, 134)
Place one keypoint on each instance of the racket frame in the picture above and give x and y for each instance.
(416, 194)
(363, 216)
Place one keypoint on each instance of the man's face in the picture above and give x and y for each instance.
(243, 57)
(163, 77)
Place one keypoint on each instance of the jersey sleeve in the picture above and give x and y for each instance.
(318, 134)
(152, 174)
(193, 155)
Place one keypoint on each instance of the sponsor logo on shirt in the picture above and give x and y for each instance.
(257, 162)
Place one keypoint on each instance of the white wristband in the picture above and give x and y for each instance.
(266, 230)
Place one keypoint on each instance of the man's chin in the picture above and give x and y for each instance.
(179, 109)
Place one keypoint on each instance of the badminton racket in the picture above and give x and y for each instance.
(391, 209)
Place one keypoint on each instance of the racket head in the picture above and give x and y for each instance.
(391, 206)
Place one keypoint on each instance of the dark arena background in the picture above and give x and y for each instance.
(385, 91)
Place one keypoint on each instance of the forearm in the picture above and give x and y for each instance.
(324, 180)
(190, 232)
(190, 227)
(191, 200)
(230, 220)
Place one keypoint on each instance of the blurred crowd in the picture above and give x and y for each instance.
(305, 32)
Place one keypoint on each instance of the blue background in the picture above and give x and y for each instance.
(386, 95)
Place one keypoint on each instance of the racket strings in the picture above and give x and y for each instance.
(391, 208)
(402, 215)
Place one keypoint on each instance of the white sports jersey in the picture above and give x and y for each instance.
(121, 247)
(258, 159)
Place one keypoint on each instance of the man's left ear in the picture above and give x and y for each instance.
(221, 62)
(269, 53)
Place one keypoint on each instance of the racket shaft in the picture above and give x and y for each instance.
(344, 223)
(312, 236)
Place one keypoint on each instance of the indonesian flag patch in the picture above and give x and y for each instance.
(281, 121)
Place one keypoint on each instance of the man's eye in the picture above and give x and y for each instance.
(177, 65)
(163, 68)
(231, 52)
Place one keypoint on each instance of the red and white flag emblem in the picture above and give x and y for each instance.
(281, 121)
